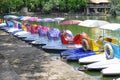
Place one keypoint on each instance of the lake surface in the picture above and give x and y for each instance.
(77, 29)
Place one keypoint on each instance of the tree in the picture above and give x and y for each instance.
(50, 4)
(32, 4)
(75, 5)
(115, 7)
(6, 6)
(64, 5)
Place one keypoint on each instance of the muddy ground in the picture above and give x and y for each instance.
(21, 61)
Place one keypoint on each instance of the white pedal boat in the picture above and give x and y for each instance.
(92, 59)
(4, 28)
(112, 70)
(21, 33)
(24, 35)
(11, 29)
(102, 64)
(31, 37)
(2, 24)
(58, 46)
(40, 41)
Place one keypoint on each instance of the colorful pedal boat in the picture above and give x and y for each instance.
(67, 37)
(111, 47)
(75, 54)
(55, 42)
(42, 40)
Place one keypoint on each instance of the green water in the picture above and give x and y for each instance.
(96, 74)
(77, 29)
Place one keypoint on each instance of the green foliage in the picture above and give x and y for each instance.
(44, 5)
(76, 4)
(72, 5)
(33, 3)
(8, 5)
(48, 6)
(115, 6)
(118, 7)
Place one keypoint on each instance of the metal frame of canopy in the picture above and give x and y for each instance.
(113, 41)
(93, 28)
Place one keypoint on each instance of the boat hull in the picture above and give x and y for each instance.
(92, 59)
(112, 70)
(57, 46)
(102, 64)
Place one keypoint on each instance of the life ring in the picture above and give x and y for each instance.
(85, 45)
(109, 51)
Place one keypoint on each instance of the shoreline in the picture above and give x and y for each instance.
(21, 61)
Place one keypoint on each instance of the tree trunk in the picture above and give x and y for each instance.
(24, 10)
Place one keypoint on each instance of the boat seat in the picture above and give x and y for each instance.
(92, 45)
(34, 29)
(77, 39)
(10, 24)
(53, 34)
(43, 31)
(65, 39)
(24, 28)
(99, 42)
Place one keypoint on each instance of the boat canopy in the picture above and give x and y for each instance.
(111, 26)
(93, 23)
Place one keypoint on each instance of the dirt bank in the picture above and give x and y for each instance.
(20, 61)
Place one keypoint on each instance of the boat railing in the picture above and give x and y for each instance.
(112, 40)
